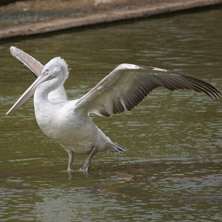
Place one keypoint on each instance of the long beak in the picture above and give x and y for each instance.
(28, 93)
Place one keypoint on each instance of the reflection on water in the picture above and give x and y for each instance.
(152, 190)
(172, 170)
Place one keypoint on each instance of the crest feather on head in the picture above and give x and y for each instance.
(58, 62)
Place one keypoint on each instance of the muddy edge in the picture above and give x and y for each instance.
(96, 12)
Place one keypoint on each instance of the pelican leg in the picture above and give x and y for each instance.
(86, 165)
(71, 158)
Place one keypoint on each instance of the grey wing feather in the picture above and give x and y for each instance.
(127, 85)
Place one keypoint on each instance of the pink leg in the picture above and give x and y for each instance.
(71, 158)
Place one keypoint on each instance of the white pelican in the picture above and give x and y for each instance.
(68, 121)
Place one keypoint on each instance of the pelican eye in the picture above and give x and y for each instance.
(45, 72)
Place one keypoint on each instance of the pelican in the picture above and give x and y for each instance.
(68, 121)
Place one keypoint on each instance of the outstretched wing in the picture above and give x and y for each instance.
(128, 84)
(31, 63)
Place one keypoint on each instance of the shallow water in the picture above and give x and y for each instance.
(172, 169)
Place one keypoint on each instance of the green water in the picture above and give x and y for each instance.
(172, 170)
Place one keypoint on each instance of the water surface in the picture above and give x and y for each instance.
(172, 169)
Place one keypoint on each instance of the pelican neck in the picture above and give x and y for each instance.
(46, 87)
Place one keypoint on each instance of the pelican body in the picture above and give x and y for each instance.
(68, 121)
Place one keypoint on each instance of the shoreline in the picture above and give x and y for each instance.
(105, 14)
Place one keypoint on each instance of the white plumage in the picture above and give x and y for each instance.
(68, 121)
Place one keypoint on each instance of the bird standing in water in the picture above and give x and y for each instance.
(68, 121)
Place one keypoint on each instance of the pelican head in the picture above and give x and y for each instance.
(56, 68)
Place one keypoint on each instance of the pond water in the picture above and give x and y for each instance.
(172, 170)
